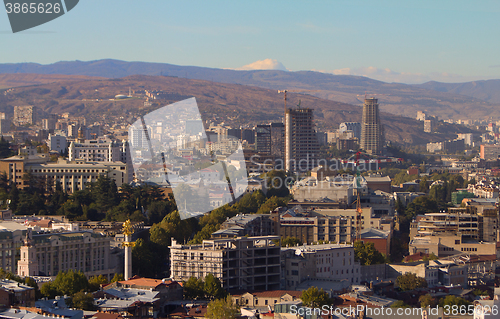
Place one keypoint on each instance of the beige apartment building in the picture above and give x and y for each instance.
(332, 262)
(448, 245)
(242, 263)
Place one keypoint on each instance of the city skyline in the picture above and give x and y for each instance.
(390, 41)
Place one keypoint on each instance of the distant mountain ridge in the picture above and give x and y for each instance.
(476, 100)
(238, 105)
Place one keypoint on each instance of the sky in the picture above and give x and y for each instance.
(393, 41)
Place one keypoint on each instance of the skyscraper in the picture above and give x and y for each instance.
(372, 138)
(301, 144)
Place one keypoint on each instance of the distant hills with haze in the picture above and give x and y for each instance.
(476, 100)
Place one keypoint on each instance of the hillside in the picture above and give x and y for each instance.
(488, 90)
(235, 104)
(395, 98)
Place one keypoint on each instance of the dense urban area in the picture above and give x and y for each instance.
(94, 225)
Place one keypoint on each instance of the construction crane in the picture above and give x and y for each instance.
(366, 94)
(295, 91)
(359, 211)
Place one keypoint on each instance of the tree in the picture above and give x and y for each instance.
(143, 259)
(96, 282)
(451, 300)
(399, 304)
(315, 298)
(194, 288)
(83, 300)
(117, 277)
(366, 254)
(70, 282)
(276, 184)
(222, 309)
(213, 287)
(410, 281)
(427, 301)
(290, 242)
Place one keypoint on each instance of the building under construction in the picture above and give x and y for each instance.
(372, 135)
(301, 143)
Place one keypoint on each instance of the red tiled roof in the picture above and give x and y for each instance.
(104, 315)
(144, 282)
(45, 223)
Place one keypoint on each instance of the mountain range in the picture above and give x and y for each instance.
(471, 100)
(234, 104)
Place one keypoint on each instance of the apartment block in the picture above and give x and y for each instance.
(329, 262)
(242, 263)
(489, 152)
(24, 115)
(301, 144)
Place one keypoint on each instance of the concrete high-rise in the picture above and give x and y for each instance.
(301, 144)
(372, 137)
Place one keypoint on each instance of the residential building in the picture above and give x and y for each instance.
(372, 136)
(448, 245)
(102, 150)
(57, 143)
(265, 298)
(24, 115)
(241, 263)
(13, 293)
(435, 272)
(263, 139)
(381, 239)
(314, 229)
(354, 127)
(430, 125)
(328, 262)
(301, 145)
(4, 126)
(489, 152)
(141, 297)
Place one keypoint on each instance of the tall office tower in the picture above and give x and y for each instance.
(372, 138)
(301, 144)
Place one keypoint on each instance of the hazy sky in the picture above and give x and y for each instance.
(400, 41)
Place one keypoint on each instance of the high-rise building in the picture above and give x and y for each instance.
(241, 263)
(301, 144)
(355, 127)
(278, 140)
(372, 137)
(25, 114)
(269, 139)
(263, 138)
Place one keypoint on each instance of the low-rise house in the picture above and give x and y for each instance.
(13, 293)
(139, 291)
(265, 298)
